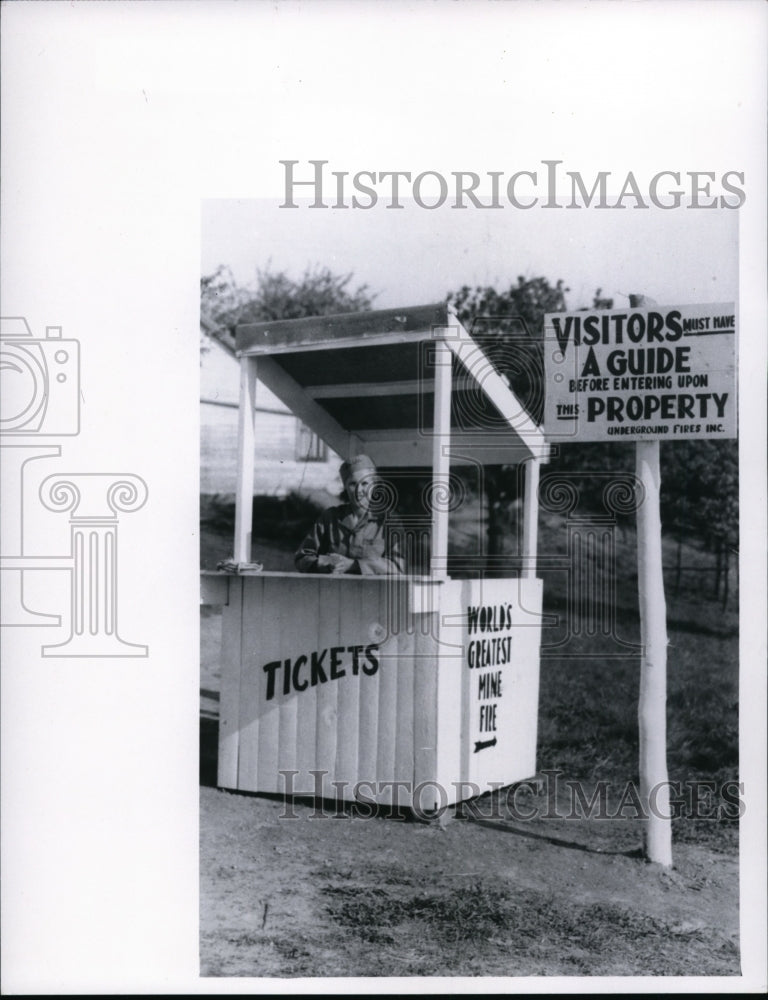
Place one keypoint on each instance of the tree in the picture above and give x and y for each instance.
(700, 500)
(509, 326)
(319, 292)
(221, 302)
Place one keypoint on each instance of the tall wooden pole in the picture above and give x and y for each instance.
(441, 439)
(531, 516)
(246, 441)
(652, 703)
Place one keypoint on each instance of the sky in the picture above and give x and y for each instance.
(414, 255)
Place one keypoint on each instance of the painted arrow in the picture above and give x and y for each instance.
(483, 744)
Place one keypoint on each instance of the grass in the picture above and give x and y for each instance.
(492, 926)
(517, 926)
(589, 710)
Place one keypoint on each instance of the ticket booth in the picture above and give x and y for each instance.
(418, 689)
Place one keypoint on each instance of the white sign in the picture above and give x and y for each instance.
(501, 679)
(664, 373)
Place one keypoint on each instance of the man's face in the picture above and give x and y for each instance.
(359, 486)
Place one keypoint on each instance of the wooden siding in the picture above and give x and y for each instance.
(394, 721)
(276, 468)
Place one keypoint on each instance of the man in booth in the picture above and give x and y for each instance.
(357, 537)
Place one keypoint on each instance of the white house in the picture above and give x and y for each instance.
(288, 455)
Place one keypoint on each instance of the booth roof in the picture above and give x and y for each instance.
(366, 382)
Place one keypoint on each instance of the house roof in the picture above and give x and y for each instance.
(366, 382)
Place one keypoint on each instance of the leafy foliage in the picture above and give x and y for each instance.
(527, 302)
(700, 490)
(509, 326)
(319, 292)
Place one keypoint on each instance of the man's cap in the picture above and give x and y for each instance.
(356, 464)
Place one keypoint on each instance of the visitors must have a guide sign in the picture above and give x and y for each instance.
(651, 374)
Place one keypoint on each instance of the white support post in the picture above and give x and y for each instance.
(652, 704)
(531, 517)
(441, 440)
(246, 440)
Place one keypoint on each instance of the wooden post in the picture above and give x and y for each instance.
(652, 704)
(531, 516)
(441, 439)
(246, 439)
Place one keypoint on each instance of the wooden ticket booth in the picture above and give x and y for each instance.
(419, 689)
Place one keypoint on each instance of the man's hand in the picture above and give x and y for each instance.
(338, 563)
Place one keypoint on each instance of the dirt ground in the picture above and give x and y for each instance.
(298, 890)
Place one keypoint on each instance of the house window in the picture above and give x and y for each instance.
(309, 447)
